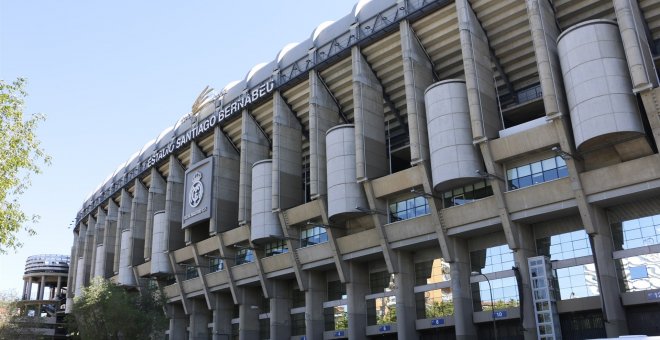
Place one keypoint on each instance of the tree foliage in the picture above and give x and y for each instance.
(14, 323)
(20, 156)
(105, 310)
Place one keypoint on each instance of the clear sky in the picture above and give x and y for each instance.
(111, 75)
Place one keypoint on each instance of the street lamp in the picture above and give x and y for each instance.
(492, 303)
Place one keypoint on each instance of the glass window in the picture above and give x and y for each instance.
(312, 235)
(433, 271)
(505, 294)
(381, 282)
(381, 311)
(637, 232)
(297, 298)
(276, 247)
(434, 303)
(638, 273)
(336, 290)
(493, 259)
(244, 255)
(410, 208)
(564, 246)
(191, 272)
(577, 282)
(466, 194)
(216, 265)
(536, 172)
(298, 324)
(335, 318)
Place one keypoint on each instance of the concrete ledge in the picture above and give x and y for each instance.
(531, 138)
(478, 210)
(303, 213)
(192, 285)
(401, 181)
(244, 270)
(427, 323)
(620, 175)
(183, 254)
(358, 241)
(276, 262)
(144, 269)
(236, 235)
(314, 253)
(216, 278)
(376, 329)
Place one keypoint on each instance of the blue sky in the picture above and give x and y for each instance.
(112, 75)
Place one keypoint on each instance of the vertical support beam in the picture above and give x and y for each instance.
(651, 100)
(254, 147)
(340, 264)
(199, 320)
(155, 203)
(405, 296)
(248, 299)
(356, 290)
(225, 254)
(435, 206)
(461, 290)
(323, 113)
(379, 218)
(287, 156)
(636, 45)
(138, 222)
(196, 155)
(280, 310)
(369, 113)
(293, 243)
(266, 285)
(314, 297)
(123, 223)
(178, 321)
(110, 238)
(417, 76)
(99, 247)
(527, 249)
(202, 270)
(223, 307)
(89, 248)
(42, 288)
(226, 171)
(174, 205)
(482, 97)
(178, 271)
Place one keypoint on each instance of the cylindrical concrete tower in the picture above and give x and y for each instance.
(454, 159)
(125, 276)
(598, 86)
(99, 261)
(46, 271)
(265, 224)
(159, 260)
(344, 193)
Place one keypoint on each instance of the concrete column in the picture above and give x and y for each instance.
(178, 321)
(42, 288)
(405, 296)
(287, 156)
(123, 223)
(280, 310)
(71, 281)
(80, 264)
(254, 147)
(356, 290)
(369, 113)
(155, 203)
(527, 249)
(223, 307)
(636, 45)
(29, 288)
(323, 114)
(125, 275)
(110, 239)
(225, 183)
(602, 248)
(59, 286)
(544, 37)
(248, 298)
(199, 320)
(89, 249)
(25, 287)
(174, 204)
(194, 233)
(98, 255)
(482, 97)
(315, 295)
(417, 75)
(138, 222)
(461, 291)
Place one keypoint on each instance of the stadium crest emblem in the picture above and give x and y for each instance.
(196, 192)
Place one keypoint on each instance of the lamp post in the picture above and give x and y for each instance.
(492, 303)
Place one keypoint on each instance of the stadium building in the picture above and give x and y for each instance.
(418, 169)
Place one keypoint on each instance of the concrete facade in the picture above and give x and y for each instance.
(395, 215)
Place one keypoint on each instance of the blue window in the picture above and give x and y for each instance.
(493, 259)
(276, 247)
(216, 265)
(466, 194)
(312, 235)
(537, 172)
(639, 232)
(565, 246)
(577, 281)
(244, 255)
(504, 294)
(639, 273)
(409, 208)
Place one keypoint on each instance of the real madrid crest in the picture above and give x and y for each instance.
(196, 190)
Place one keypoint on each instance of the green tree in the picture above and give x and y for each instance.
(105, 310)
(20, 156)
(14, 322)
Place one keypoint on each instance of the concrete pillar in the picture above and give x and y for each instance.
(25, 287)
(280, 309)
(287, 156)
(199, 320)
(178, 321)
(417, 75)
(196, 155)
(42, 288)
(369, 113)
(323, 114)
(356, 290)
(484, 112)
(138, 222)
(248, 299)
(174, 204)
(226, 170)
(71, 281)
(527, 249)
(59, 286)
(636, 45)
(123, 223)
(461, 291)
(110, 239)
(223, 308)
(602, 248)
(98, 255)
(405, 296)
(315, 295)
(155, 203)
(89, 249)
(544, 37)
(254, 147)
